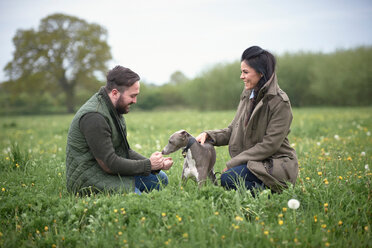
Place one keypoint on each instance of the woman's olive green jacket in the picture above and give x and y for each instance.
(262, 143)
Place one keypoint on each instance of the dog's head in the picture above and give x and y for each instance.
(176, 141)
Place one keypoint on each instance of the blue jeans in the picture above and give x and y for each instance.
(240, 175)
(150, 182)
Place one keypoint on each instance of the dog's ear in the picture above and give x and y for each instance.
(184, 134)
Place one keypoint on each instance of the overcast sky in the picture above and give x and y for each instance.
(157, 37)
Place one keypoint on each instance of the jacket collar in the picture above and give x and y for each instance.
(107, 100)
(270, 88)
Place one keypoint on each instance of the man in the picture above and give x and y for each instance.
(98, 156)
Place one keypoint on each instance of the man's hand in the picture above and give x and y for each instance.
(202, 138)
(167, 163)
(156, 160)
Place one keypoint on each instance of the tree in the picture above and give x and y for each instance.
(178, 77)
(66, 50)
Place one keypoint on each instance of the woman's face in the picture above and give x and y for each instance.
(249, 75)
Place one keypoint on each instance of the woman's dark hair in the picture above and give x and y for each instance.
(261, 61)
(120, 78)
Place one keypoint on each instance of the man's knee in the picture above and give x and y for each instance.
(163, 178)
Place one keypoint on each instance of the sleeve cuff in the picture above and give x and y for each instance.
(147, 169)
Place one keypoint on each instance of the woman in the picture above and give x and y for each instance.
(257, 136)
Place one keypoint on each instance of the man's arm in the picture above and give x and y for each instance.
(97, 133)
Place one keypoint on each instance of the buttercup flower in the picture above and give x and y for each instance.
(238, 218)
(293, 204)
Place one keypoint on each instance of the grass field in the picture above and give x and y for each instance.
(334, 147)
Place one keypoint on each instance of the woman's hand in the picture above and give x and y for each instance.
(202, 138)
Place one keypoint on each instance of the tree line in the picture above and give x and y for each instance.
(55, 67)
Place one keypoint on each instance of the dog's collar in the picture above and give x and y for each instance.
(191, 141)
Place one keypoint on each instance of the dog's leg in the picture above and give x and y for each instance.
(212, 176)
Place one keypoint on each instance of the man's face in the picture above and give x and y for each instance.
(127, 98)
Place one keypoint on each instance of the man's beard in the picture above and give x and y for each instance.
(122, 108)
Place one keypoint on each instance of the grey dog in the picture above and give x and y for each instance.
(199, 159)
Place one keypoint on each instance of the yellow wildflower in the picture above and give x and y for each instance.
(320, 173)
(325, 205)
(238, 218)
(324, 226)
(115, 210)
(295, 240)
(257, 218)
(120, 233)
(3, 189)
(308, 178)
(266, 232)
(366, 228)
(143, 219)
(340, 223)
(327, 244)
(163, 214)
(223, 237)
(46, 228)
(185, 235)
(284, 209)
(280, 222)
(349, 159)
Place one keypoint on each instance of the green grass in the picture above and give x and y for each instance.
(334, 145)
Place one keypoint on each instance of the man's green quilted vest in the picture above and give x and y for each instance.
(83, 173)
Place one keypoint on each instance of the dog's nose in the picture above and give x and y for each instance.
(162, 152)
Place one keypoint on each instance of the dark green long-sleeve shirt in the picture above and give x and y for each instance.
(97, 133)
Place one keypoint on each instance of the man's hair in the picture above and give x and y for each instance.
(120, 78)
(260, 60)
